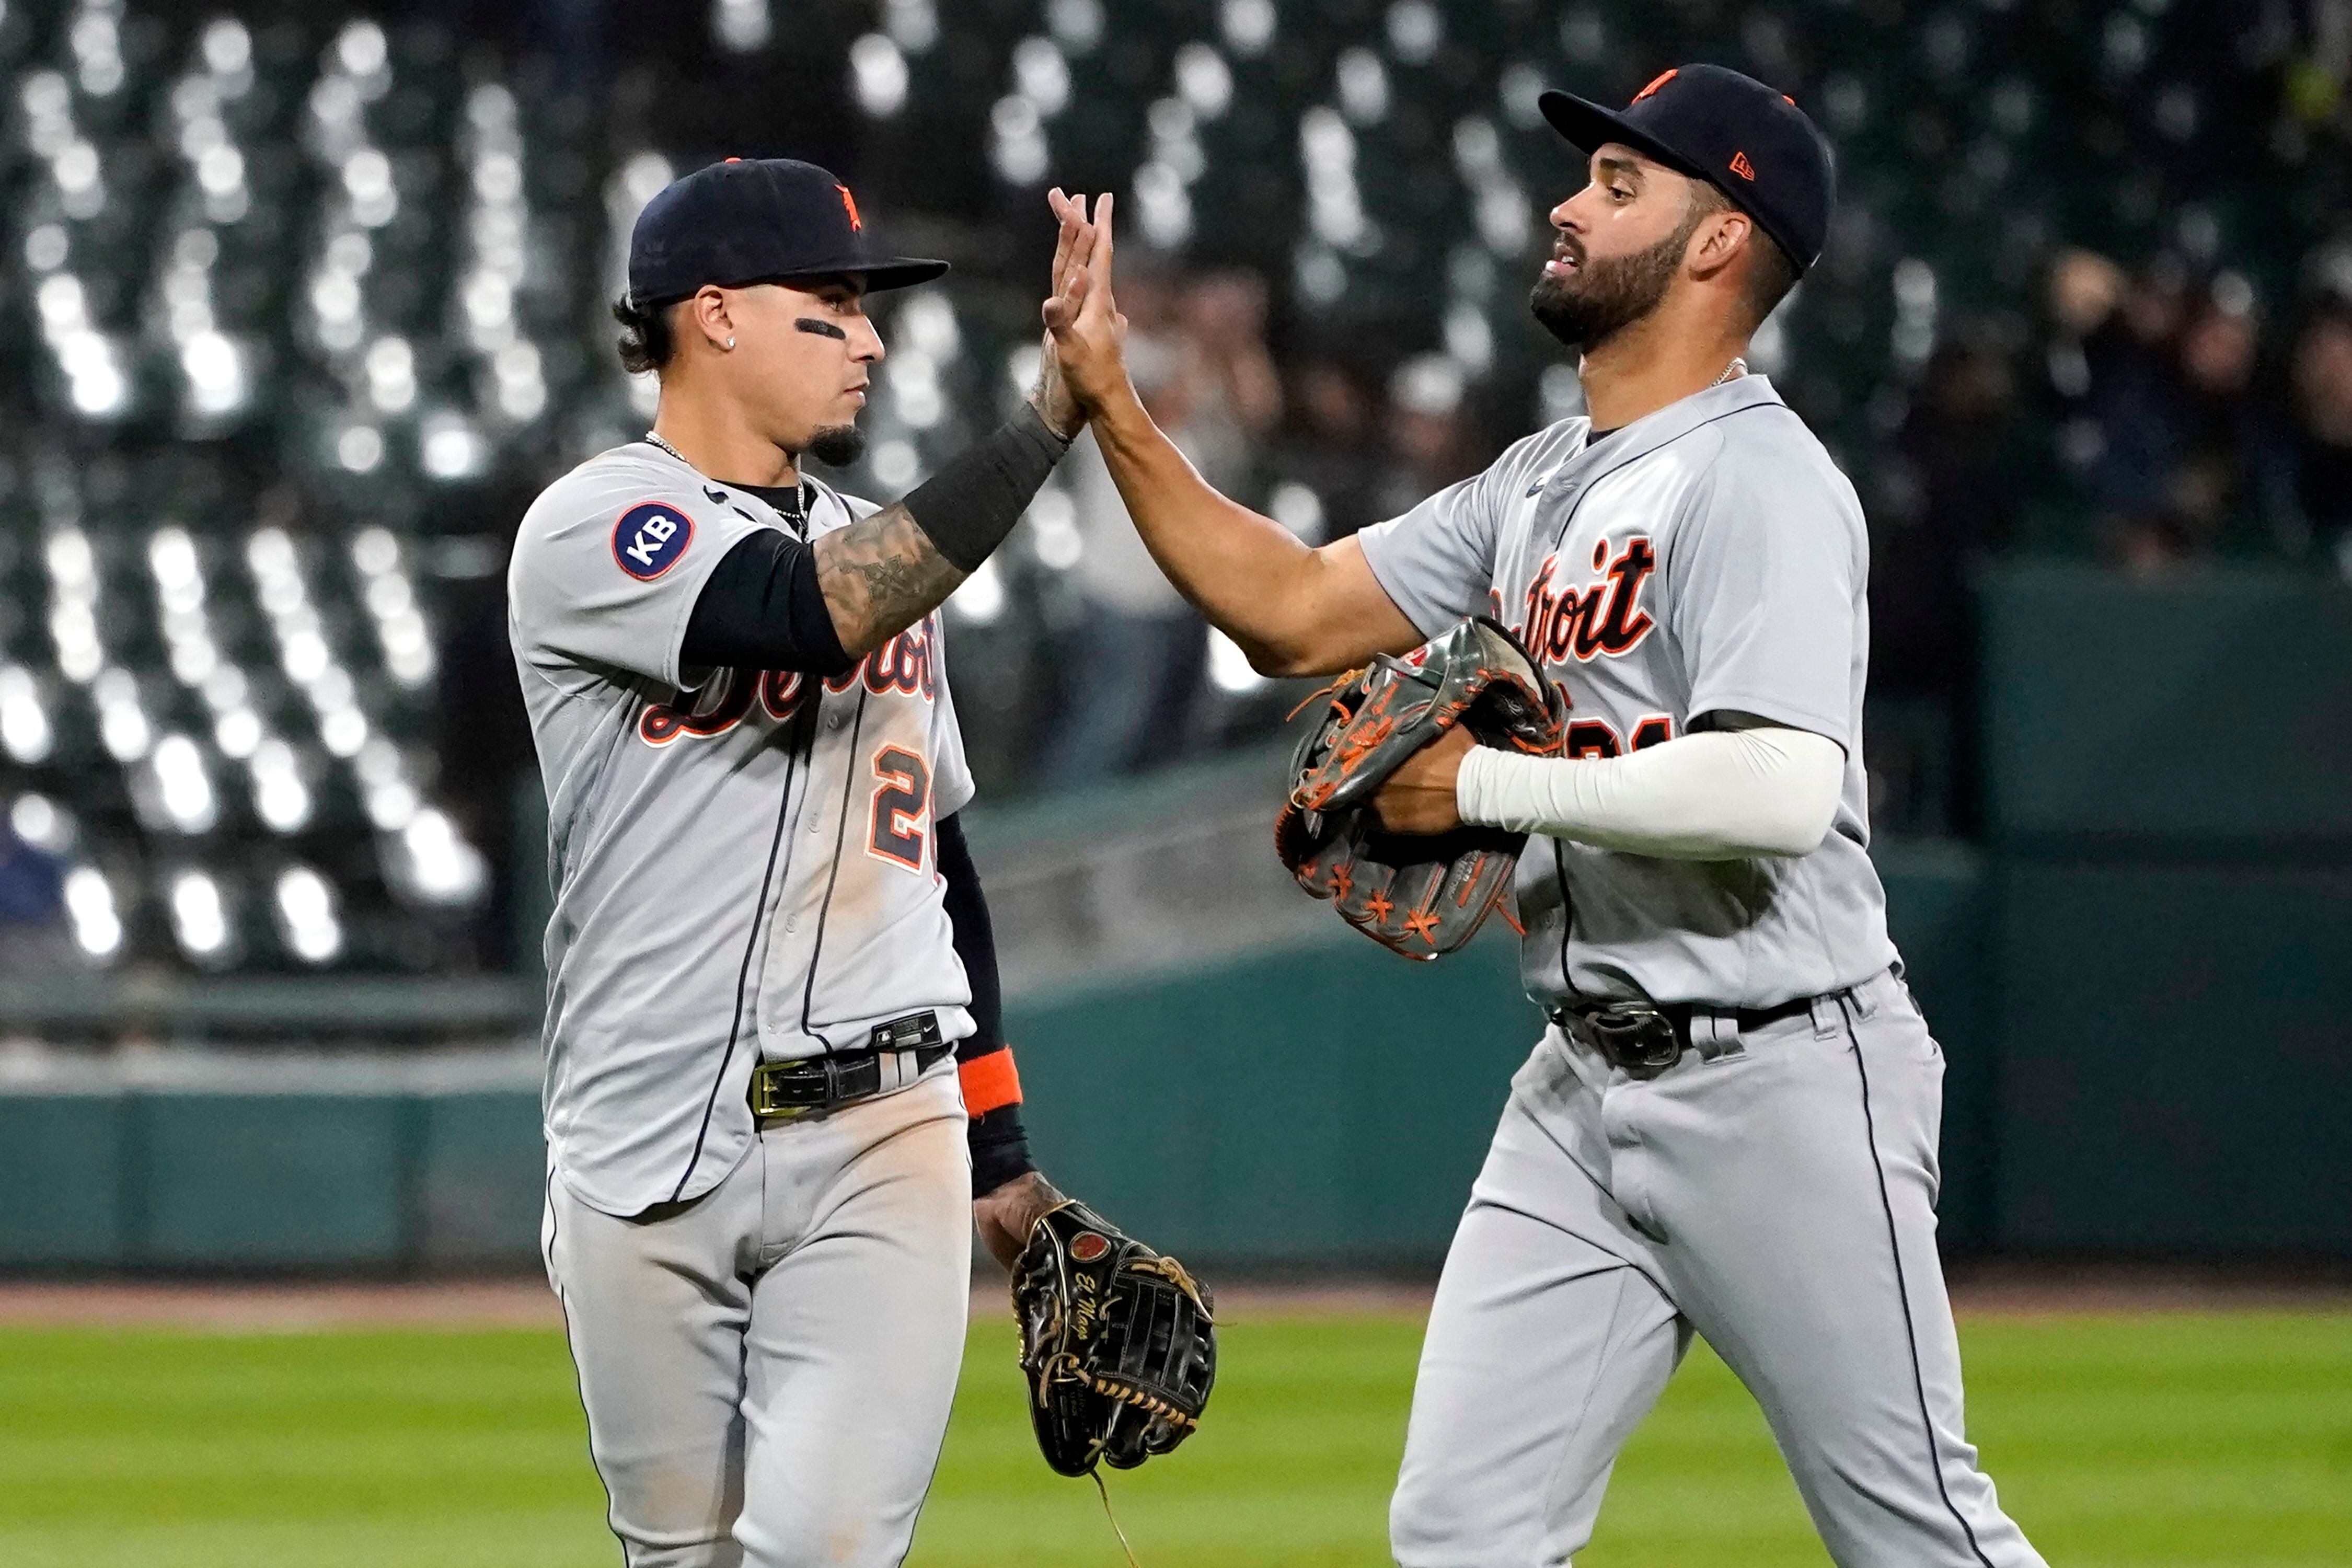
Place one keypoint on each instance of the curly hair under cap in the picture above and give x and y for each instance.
(646, 343)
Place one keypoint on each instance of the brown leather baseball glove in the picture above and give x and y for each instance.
(1420, 895)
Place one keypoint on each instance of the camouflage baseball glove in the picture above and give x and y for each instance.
(1119, 1344)
(1420, 895)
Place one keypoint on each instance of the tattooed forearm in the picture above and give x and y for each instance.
(879, 577)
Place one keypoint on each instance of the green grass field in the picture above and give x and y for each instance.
(2161, 1440)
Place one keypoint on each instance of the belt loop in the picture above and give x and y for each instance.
(1715, 1036)
(1827, 1018)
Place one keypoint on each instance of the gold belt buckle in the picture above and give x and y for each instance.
(763, 1094)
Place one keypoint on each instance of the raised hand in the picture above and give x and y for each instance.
(1073, 248)
(1074, 245)
(1083, 324)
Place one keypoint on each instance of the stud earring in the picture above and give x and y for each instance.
(730, 342)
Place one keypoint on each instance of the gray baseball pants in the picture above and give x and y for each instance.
(767, 1370)
(1773, 1192)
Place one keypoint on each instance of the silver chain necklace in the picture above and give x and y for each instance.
(795, 515)
(1736, 367)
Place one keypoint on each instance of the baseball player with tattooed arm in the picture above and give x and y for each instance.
(777, 1095)
(1730, 1126)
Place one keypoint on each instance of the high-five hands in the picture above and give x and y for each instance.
(1073, 248)
(1082, 320)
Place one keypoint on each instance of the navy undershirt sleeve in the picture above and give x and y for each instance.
(1000, 1144)
(975, 939)
(761, 609)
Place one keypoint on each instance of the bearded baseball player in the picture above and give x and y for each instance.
(1730, 1126)
(777, 1090)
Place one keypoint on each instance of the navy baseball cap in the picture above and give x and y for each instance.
(1753, 144)
(756, 220)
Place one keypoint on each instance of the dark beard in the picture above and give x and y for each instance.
(1592, 304)
(838, 446)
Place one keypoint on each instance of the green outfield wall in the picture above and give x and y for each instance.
(1322, 1103)
(2167, 771)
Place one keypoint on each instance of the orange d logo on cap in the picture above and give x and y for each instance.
(850, 203)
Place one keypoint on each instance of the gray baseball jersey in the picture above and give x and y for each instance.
(743, 862)
(1709, 557)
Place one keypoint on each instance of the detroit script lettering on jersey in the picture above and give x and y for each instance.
(903, 663)
(1559, 623)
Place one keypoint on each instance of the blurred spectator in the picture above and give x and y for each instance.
(1198, 356)
(2084, 290)
(1333, 447)
(1945, 501)
(2126, 432)
(2312, 481)
(2164, 423)
(1429, 437)
(1222, 317)
(2224, 429)
(32, 905)
(2188, 459)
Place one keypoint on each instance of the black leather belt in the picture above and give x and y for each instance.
(813, 1084)
(1643, 1039)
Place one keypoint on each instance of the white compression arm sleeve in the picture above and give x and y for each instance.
(1721, 794)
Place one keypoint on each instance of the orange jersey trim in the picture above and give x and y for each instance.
(989, 1082)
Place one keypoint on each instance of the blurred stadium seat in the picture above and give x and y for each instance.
(295, 304)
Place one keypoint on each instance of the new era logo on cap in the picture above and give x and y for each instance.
(1742, 167)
